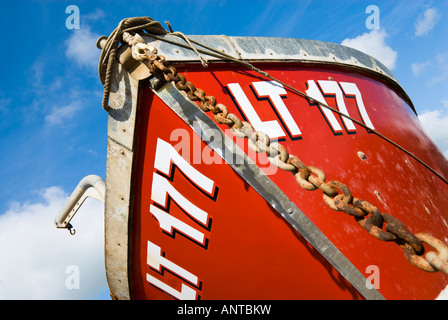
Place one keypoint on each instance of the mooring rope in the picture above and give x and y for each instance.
(109, 52)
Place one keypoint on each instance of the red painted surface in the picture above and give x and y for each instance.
(249, 251)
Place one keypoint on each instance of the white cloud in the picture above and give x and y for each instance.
(81, 47)
(373, 43)
(436, 69)
(435, 124)
(418, 67)
(98, 14)
(5, 102)
(35, 255)
(441, 73)
(426, 21)
(59, 115)
(76, 99)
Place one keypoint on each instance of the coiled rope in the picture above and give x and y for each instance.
(109, 52)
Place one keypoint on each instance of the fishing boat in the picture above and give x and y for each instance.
(263, 168)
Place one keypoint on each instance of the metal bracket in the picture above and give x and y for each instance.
(90, 186)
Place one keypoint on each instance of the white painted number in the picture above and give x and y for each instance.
(165, 157)
(332, 88)
(156, 261)
(350, 89)
(276, 92)
(314, 92)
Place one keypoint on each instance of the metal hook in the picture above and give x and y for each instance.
(71, 229)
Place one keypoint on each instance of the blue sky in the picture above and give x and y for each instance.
(53, 131)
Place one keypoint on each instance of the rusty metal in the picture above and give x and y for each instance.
(418, 261)
(307, 175)
(433, 261)
(398, 228)
(374, 222)
(278, 155)
(342, 202)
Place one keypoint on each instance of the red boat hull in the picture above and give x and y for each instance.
(200, 231)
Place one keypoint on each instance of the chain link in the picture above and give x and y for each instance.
(335, 194)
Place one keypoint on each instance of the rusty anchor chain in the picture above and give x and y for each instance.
(336, 195)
